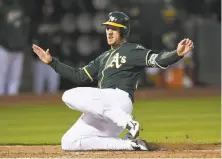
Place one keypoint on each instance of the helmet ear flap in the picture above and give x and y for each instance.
(127, 31)
(124, 32)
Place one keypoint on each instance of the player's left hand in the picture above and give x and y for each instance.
(185, 46)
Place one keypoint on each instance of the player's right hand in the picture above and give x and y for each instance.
(44, 56)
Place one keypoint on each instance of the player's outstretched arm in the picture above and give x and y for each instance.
(77, 75)
(164, 59)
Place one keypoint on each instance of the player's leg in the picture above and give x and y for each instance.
(15, 72)
(112, 104)
(92, 133)
(121, 101)
(4, 65)
(39, 74)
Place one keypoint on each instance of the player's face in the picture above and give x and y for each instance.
(113, 35)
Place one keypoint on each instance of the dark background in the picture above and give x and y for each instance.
(77, 37)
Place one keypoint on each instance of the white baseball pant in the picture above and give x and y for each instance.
(105, 114)
(11, 67)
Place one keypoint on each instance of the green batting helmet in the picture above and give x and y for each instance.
(121, 20)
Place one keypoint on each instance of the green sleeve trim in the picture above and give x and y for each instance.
(90, 77)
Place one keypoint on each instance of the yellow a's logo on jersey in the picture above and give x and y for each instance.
(117, 61)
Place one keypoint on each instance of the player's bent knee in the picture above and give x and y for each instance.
(65, 96)
(70, 96)
(68, 144)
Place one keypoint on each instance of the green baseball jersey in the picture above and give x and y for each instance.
(116, 68)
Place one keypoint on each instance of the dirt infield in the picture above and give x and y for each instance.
(161, 151)
(166, 151)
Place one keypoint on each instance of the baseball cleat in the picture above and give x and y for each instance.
(133, 128)
(138, 144)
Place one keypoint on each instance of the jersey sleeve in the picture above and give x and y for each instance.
(92, 69)
(77, 75)
(139, 56)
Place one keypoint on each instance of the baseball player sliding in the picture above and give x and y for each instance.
(107, 109)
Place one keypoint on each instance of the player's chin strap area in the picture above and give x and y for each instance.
(164, 59)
